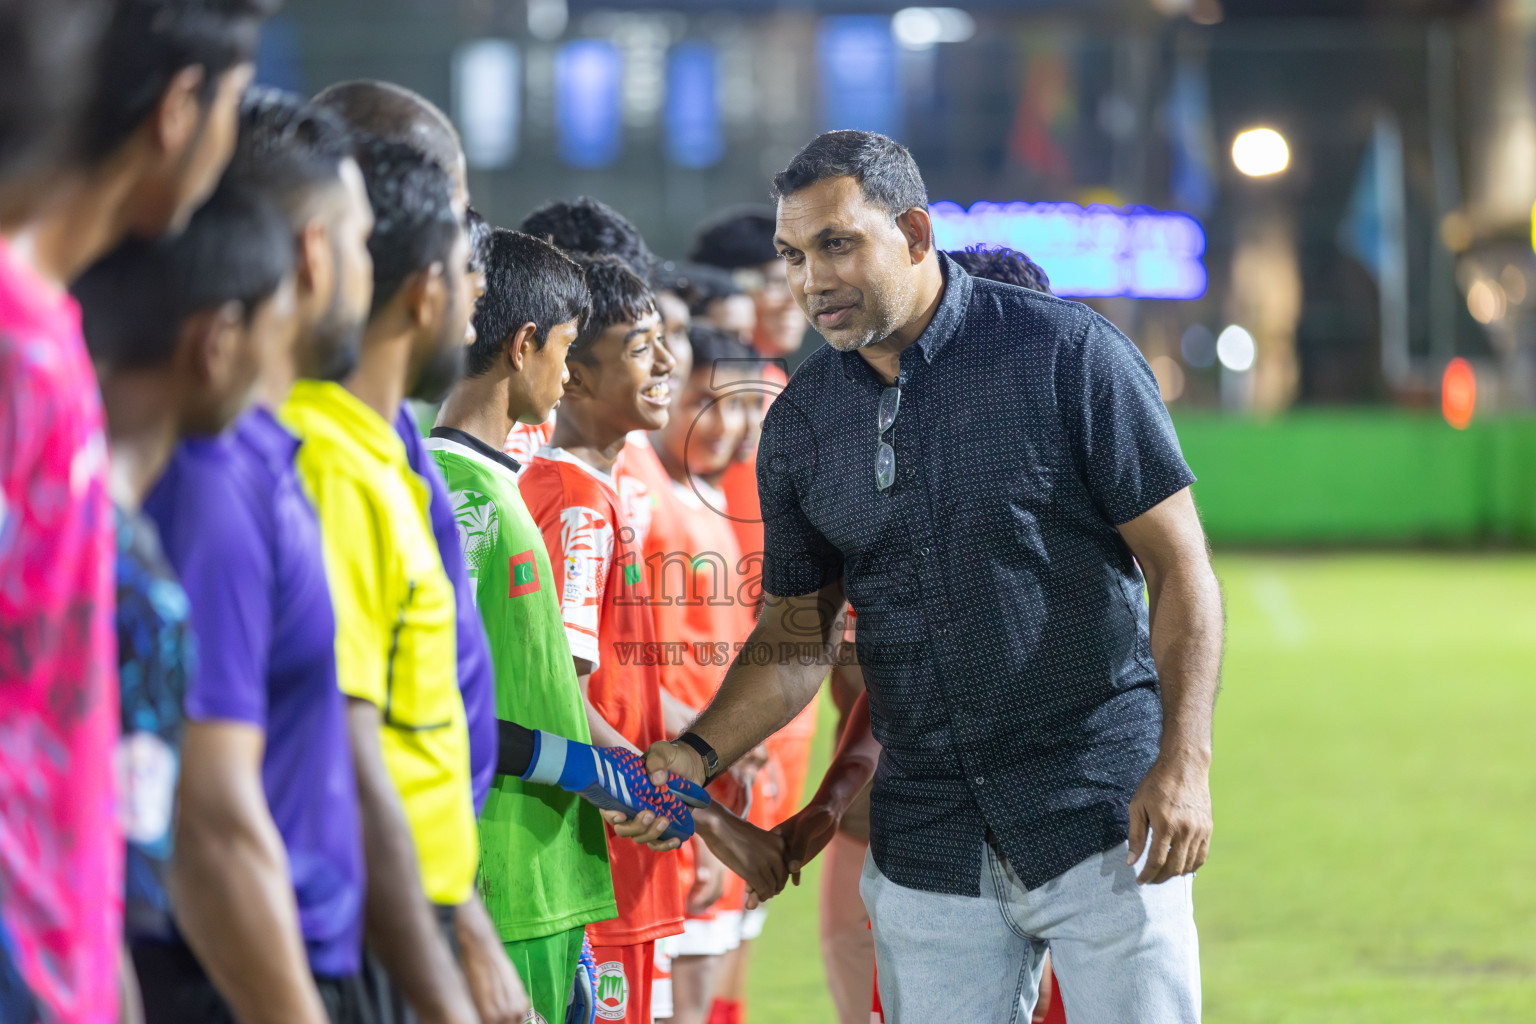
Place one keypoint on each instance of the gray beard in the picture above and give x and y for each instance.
(849, 344)
(898, 295)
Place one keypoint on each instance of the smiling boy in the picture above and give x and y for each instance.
(701, 597)
(544, 862)
(619, 372)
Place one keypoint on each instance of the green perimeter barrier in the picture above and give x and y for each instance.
(1362, 477)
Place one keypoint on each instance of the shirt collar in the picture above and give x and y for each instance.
(953, 302)
(467, 440)
(269, 439)
(951, 312)
(349, 416)
(554, 454)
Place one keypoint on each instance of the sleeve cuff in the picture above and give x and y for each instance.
(583, 645)
(549, 751)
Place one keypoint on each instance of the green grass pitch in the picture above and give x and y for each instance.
(1375, 789)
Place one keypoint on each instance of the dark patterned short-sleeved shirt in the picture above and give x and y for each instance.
(1002, 620)
(155, 654)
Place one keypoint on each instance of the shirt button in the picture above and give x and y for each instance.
(980, 780)
(923, 552)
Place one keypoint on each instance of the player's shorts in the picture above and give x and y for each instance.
(547, 966)
(661, 983)
(176, 990)
(752, 922)
(625, 975)
(712, 936)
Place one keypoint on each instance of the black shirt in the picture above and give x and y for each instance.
(1002, 620)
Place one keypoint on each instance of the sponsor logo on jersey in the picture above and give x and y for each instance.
(524, 573)
(612, 991)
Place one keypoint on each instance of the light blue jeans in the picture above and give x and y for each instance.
(1122, 952)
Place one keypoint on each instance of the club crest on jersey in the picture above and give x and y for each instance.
(524, 574)
(612, 991)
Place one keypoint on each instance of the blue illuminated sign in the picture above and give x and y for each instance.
(694, 138)
(587, 113)
(856, 63)
(1136, 252)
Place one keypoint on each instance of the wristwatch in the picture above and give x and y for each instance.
(705, 751)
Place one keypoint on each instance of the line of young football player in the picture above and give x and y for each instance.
(544, 862)
(590, 226)
(618, 384)
(534, 304)
(755, 785)
(618, 372)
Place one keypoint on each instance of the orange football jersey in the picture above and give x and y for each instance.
(603, 602)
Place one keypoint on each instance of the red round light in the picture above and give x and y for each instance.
(1458, 393)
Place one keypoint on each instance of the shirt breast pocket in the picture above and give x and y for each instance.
(421, 682)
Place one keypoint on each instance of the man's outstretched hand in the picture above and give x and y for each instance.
(678, 759)
(1174, 802)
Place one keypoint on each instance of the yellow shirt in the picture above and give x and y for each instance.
(395, 632)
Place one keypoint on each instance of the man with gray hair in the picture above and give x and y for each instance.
(989, 476)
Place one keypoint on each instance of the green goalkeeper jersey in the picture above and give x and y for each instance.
(543, 852)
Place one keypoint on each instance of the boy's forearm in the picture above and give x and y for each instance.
(854, 763)
(602, 730)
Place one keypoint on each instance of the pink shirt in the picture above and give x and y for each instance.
(61, 849)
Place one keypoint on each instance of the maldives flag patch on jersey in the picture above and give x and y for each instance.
(524, 573)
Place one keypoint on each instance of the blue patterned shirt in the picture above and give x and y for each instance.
(155, 657)
(1002, 622)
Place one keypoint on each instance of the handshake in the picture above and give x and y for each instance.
(662, 809)
(766, 860)
(615, 780)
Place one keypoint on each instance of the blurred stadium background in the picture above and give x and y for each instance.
(1316, 219)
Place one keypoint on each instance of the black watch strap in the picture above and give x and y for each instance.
(705, 751)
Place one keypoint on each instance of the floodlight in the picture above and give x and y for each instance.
(1259, 152)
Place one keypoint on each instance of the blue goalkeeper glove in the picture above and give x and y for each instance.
(614, 779)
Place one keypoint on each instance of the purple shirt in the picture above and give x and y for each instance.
(476, 678)
(235, 523)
